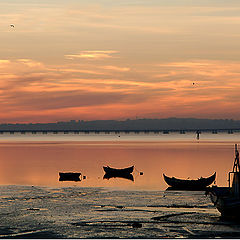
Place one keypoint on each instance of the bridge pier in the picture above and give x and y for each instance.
(104, 131)
(165, 132)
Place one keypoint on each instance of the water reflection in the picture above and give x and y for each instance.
(38, 163)
(127, 176)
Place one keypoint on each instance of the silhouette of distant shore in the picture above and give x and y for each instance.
(129, 124)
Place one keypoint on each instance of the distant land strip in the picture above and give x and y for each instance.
(130, 125)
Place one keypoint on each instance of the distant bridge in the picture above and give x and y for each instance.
(107, 131)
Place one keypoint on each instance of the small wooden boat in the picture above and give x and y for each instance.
(69, 176)
(125, 176)
(121, 171)
(193, 185)
(227, 199)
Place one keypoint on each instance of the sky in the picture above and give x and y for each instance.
(107, 59)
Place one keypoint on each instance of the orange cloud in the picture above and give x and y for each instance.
(3, 61)
(92, 55)
(31, 89)
(115, 68)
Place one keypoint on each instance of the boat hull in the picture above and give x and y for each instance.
(192, 185)
(225, 202)
(69, 176)
(229, 208)
(227, 199)
(119, 172)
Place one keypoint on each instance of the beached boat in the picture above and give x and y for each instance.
(70, 176)
(122, 171)
(227, 199)
(186, 184)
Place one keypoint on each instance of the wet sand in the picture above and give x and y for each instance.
(74, 212)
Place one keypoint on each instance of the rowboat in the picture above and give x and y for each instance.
(227, 199)
(122, 171)
(186, 184)
(69, 176)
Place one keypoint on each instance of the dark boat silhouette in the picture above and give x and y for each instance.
(70, 176)
(227, 199)
(127, 176)
(122, 171)
(186, 184)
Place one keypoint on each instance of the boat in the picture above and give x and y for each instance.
(69, 176)
(125, 176)
(186, 184)
(227, 199)
(114, 171)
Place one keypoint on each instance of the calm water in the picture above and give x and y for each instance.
(35, 204)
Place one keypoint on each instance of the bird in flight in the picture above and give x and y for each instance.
(11, 25)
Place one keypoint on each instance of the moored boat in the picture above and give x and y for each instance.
(227, 199)
(186, 184)
(114, 171)
(69, 176)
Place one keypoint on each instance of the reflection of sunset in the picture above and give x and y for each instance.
(40, 163)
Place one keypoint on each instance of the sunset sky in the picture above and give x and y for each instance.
(108, 59)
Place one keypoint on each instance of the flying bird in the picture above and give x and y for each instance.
(11, 25)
